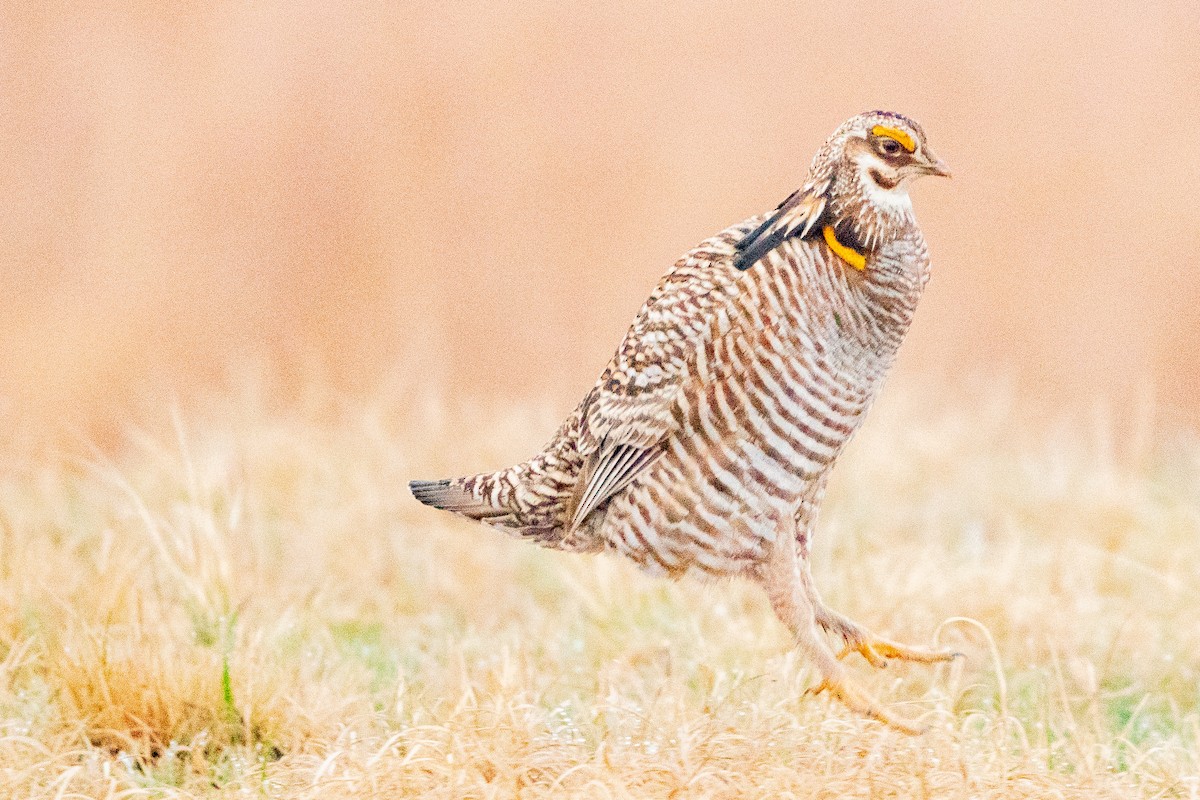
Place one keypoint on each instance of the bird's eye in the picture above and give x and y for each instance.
(887, 146)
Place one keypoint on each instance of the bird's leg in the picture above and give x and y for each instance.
(873, 647)
(782, 578)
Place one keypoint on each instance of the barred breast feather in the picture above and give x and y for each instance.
(729, 398)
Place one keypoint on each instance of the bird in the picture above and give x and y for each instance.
(706, 444)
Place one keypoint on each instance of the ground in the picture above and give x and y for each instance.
(240, 600)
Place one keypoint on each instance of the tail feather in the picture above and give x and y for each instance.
(473, 497)
(530, 500)
(452, 496)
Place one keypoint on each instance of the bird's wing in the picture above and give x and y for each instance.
(633, 408)
(609, 469)
(799, 216)
(631, 411)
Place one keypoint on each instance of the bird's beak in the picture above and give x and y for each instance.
(935, 166)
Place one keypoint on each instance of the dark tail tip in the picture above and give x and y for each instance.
(431, 493)
(450, 495)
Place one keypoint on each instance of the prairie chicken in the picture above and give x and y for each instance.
(706, 444)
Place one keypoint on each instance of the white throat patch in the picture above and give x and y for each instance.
(891, 202)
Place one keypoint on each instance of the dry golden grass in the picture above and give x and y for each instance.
(244, 602)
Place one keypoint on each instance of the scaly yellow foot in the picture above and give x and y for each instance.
(876, 651)
(862, 703)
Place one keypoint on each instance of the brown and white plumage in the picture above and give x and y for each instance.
(706, 443)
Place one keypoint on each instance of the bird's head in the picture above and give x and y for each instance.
(871, 159)
(856, 195)
(888, 149)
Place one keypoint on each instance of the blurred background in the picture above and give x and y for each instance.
(478, 195)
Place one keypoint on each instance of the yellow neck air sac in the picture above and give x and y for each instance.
(847, 254)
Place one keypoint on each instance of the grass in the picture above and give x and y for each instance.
(242, 601)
